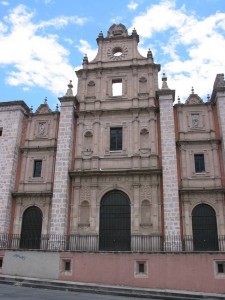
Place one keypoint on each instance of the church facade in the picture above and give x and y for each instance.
(119, 167)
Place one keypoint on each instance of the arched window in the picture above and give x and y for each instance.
(115, 222)
(85, 213)
(31, 228)
(204, 228)
(145, 213)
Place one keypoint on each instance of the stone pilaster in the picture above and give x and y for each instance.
(169, 163)
(60, 200)
(11, 124)
(218, 97)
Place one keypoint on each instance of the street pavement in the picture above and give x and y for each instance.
(14, 287)
(9, 292)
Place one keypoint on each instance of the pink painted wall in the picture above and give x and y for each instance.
(190, 272)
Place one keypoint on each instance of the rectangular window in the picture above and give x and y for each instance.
(68, 266)
(117, 87)
(221, 267)
(1, 262)
(141, 267)
(116, 137)
(1, 130)
(199, 163)
(37, 168)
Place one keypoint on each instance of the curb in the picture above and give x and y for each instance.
(124, 291)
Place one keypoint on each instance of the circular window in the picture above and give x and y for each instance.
(117, 51)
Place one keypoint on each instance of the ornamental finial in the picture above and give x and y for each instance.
(164, 82)
(69, 92)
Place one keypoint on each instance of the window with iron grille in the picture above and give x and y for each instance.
(116, 136)
(37, 168)
(199, 163)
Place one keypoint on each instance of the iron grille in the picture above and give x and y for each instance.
(31, 228)
(115, 222)
(205, 237)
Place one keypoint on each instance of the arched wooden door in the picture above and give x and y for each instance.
(204, 226)
(115, 222)
(31, 228)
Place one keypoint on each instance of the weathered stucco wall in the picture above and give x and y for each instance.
(177, 271)
(31, 264)
(190, 272)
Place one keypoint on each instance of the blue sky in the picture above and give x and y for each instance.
(42, 42)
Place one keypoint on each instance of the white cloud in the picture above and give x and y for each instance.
(192, 48)
(5, 3)
(85, 48)
(149, 22)
(48, 1)
(3, 28)
(62, 21)
(132, 5)
(69, 41)
(116, 20)
(36, 60)
(25, 89)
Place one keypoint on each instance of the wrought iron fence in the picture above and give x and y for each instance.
(90, 243)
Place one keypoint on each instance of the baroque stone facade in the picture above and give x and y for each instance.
(120, 139)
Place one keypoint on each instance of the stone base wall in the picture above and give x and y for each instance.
(196, 272)
(189, 272)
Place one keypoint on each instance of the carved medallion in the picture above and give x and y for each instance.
(117, 52)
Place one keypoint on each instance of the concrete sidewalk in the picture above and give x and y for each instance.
(107, 289)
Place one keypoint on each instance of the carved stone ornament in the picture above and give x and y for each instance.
(117, 30)
(142, 79)
(144, 131)
(195, 120)
(42, 129)
(91, 83)
(117, 52)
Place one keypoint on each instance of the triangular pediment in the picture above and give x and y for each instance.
(194, 99)
(43, 109)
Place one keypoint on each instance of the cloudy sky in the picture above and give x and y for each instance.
(42, 42)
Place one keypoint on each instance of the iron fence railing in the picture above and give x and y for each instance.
(90, 243)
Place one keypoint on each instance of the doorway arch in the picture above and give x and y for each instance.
(31, 228)
(204, 228)
(115, 222)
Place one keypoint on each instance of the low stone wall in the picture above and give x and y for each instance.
(31, 264)
(176, 271)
